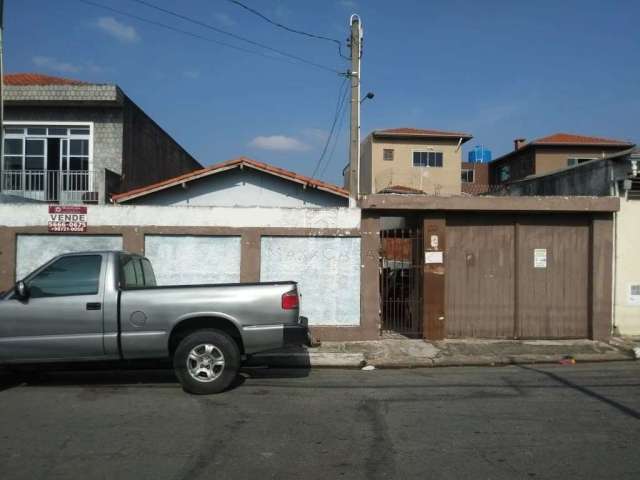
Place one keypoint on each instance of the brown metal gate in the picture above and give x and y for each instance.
(517, 276)
(401, 281)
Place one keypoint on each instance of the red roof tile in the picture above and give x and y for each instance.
(420, 132)
(572, 139)
(26, 79)
(229, 164)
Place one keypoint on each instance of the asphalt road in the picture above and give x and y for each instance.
(538, 422)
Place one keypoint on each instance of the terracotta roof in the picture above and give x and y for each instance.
(418, 132)
(567, 140)
(228, 165)
(26, 79)
(572, 139)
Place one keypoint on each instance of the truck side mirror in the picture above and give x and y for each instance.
(21, 290)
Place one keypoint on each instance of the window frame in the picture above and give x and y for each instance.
(24, 125)
(385, 151)
(101, 272)
(468, 171)
(427, 150)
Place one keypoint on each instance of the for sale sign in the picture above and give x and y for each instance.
(66, 218)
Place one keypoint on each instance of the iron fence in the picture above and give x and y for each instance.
(51, 185)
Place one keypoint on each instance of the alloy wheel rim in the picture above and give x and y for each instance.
(205, 362)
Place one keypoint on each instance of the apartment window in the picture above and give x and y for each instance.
(387, 154)
(39, 148)
(427, 159)
(36, 157)
(577, 161)
(467, 176)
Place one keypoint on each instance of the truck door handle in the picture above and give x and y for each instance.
(94, 306)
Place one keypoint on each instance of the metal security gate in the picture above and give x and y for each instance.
(401, 281)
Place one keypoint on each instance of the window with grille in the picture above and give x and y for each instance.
(387, 154)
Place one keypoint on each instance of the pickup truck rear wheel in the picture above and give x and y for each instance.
(206, 361)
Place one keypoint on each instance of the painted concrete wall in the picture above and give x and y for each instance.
(327, 271)
(627, 267)
(34, 250)
(245, 188)
(340, 218)
(187, 260)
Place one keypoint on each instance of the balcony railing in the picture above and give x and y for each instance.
(51, 185)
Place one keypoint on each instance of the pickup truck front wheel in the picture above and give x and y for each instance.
(206, 362)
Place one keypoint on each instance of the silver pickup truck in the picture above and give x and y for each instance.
(106, 306)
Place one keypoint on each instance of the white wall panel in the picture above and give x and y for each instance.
(184, 260)
(327, 271)
(34, 250)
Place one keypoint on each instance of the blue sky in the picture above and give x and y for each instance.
(497, 69)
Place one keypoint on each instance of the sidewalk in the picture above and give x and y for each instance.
(405, 353)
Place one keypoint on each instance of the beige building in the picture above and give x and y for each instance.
(411, 160)
(549, 154)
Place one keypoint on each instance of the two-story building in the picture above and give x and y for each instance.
(69, 141)
(550, 153)
(411, 160)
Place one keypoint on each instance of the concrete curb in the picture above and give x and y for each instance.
(357, 360)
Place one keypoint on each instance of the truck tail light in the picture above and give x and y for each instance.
(290, 300)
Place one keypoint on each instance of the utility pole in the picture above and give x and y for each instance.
(354, 146)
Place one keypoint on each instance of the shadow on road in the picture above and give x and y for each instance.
(131, 374)
(586, 391)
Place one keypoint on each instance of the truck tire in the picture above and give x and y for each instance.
(206, 361)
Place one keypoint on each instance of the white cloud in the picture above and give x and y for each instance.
(224, 20)
(118, 30)
(280, 143)
(51, 63)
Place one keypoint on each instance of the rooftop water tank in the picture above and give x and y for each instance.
(479, 154)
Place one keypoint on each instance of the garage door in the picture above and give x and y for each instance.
(524, 281)
(480, 276)
(553, 274)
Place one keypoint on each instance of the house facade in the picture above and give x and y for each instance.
(241, 182)
(67, 141)
(550, 153)
(410, 160)
(475, 178)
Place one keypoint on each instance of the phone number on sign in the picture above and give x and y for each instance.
(67, 226)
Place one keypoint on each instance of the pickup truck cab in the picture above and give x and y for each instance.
(105, 305)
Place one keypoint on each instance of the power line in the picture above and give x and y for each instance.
(342, 95)
(186, 32)
(237, 37)
(289, 29)
(335, 143)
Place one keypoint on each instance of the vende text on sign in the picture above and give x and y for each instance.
(67, 218)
